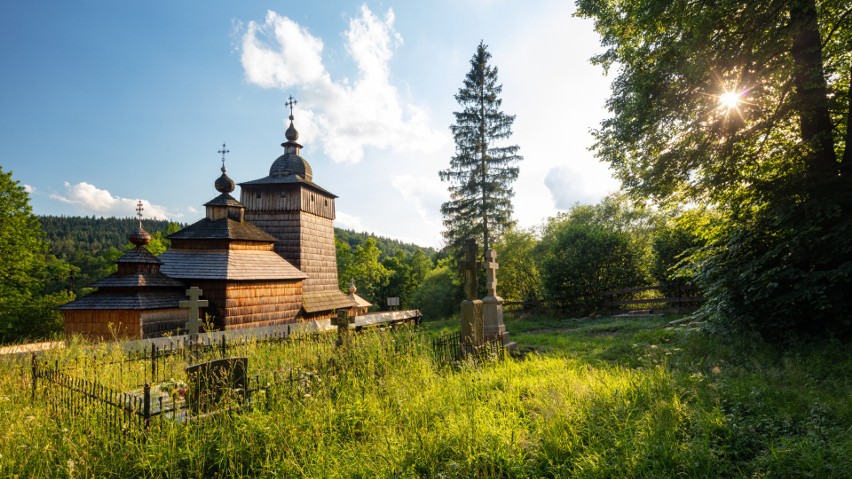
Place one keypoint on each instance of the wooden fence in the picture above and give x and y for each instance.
(678, 298)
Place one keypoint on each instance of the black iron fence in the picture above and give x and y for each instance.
(154, 394)
(452, 348)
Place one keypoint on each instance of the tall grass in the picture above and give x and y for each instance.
(605, 398)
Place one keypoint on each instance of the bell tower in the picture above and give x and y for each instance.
(288, 205)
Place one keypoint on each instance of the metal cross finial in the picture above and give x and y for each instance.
(139, 209)
(223, 151)
(291, 102)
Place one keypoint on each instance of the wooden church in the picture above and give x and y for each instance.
(267, 260)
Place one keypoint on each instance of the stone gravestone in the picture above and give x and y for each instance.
(343, 319)
(492, 305)
(471, 307)
(216, 383)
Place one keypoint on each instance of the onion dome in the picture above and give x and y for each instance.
(139, 237)
(224, 184)
(291, 134)
(290, 163)
(352, 288)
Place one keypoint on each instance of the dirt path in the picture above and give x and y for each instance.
(30, 347)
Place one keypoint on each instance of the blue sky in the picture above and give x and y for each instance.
(105, 103)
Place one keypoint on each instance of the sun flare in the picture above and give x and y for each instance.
(729, 99)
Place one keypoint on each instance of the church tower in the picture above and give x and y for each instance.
(288, 205)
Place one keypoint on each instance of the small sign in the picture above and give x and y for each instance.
(393, 301)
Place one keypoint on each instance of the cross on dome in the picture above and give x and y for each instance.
(139, 210)
(291, 102)
(223, 151)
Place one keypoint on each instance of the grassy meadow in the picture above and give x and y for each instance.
(607, 397)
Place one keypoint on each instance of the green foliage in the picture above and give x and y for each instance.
(781, 269)
(483, 168)
(586, 259)
(407, 273)
(403, 266)
(592, 249)
(21, 246)
(367, 271)
(777, 167)
(388, 246)
(440, 293)
(675, 239)
(25, 310)
(91, 245)
(519, 278)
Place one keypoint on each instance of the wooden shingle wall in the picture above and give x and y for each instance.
(286, 197)
(157, 322)
(103, 324)
(250, 304)
(243, 304)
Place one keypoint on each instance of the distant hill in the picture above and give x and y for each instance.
(388, 246)
(92, 244)
(66, 234)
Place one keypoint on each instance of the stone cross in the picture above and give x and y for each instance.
(193, 304)
(469, 265)
(491, 272)
(342, 321)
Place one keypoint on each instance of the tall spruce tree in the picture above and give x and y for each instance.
(483, 168)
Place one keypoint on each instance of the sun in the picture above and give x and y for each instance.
(729, 100)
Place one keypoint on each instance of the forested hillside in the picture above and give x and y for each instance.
(388, 246)
(90, 246)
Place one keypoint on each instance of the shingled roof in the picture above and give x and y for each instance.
(227, 264)
(222, 229)
(138, 280)
(275, 180)
(326, 301)
(127, 300)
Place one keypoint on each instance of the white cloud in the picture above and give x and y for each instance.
(344, 117)
(28, 188)
(349, 222)
(90, 199)
(191, 209)
(425, 194)
(558, 99)
(569, 186)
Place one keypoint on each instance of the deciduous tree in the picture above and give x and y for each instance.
(743, 107)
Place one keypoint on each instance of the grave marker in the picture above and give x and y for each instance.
(471, 308)
(193, 304)
(213, 383)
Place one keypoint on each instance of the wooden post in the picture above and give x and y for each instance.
(35, 376)
(153, 363)
(146, 407)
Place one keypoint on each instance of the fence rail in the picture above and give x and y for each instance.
(678, 298)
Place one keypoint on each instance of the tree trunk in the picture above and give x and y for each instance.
(812, 93)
